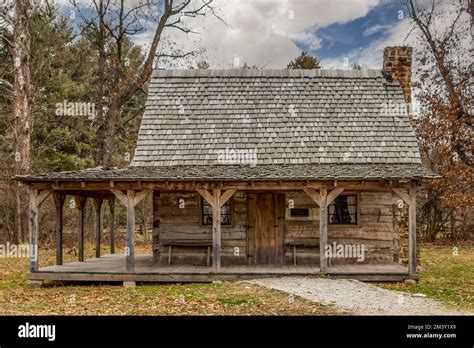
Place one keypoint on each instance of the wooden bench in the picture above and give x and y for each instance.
(188, 243)
(303, 242)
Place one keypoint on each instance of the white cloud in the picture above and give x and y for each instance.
(375, 29)
(401, 34)
(262, 32)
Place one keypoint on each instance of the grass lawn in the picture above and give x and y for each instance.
(226, 298)
(444, 276)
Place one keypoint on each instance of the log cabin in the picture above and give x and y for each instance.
(257, 173)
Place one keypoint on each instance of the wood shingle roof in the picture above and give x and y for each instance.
(281, 116)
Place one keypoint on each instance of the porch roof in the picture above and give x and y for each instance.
(242, 172)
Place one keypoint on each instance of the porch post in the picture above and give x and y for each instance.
(33, 235)
(97, 224)
(111, 202)
(216, 201)
(216, 231)
(36, 198)
(81, 204)
(323, 230)
(130, 249)
(59, 203)
(410, 199)
(129, 201)
(412, 232)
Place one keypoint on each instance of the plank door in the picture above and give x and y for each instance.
(265, 235)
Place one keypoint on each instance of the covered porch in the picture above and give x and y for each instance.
(129, 186)
(112, 267)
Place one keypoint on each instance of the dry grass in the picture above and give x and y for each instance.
(227, 298)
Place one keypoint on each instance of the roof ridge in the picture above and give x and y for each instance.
(291, 73)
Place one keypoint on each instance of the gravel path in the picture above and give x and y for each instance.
(356, 297)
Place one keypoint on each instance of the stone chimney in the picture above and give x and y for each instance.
(397, 66)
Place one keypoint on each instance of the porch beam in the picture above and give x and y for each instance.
(111, 203)
(97, 203)
(333, 194)
(42, 195)
(226, 196)
(402, 194)
(121, 197)
(314, 195)
(207, 196)
(59, 204)
(140, 196)
(81, 205)
(210, 185)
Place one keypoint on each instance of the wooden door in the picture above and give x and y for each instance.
(265, 235)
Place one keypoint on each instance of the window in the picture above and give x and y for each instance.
(299, 212)
(343, 211)
(207, 213)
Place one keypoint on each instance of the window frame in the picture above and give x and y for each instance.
(357, 224)
(201, 213)
(300, 216)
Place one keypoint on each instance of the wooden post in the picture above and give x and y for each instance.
(111, 202)
(216, 200)
(216, 231)
(33, 235)
(81, 205)
(97, 202)
(412, 232)
(410, 199)
(156, 226)
(129, 201)
(323, 230)
(36, 198)
(130, 249)
(323, 199)
(59, 203)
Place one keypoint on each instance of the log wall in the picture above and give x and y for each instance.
(174, 221)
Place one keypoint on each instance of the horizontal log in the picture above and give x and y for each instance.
(173, 235)
(141, 184)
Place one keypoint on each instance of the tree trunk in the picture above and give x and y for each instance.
(23, 119)
(105, 140)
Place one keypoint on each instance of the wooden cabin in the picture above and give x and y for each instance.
(258, 173)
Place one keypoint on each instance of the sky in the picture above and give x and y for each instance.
(270, 33)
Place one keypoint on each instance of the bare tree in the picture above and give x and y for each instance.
(444, 126)
(23, 120)
(118, 81)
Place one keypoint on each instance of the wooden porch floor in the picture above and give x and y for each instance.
(112, 268)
